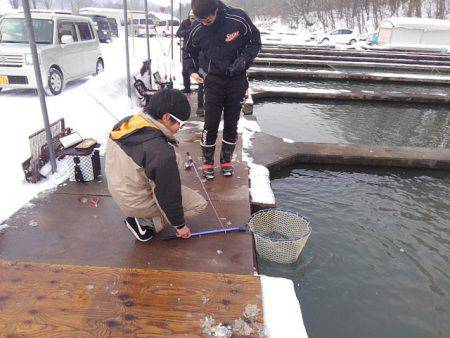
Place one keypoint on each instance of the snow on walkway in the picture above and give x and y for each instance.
(91, 106)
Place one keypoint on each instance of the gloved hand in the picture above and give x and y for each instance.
(237, 67)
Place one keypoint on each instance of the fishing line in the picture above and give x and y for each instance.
(192, 163)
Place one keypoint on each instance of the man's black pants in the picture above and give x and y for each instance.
(225, 95)
(186, 80)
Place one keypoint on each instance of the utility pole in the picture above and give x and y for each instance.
(181, 19)
(148, 44)
(127, 48)
(171, 33)
(40, 86)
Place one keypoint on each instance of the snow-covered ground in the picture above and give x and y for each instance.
(91, 106)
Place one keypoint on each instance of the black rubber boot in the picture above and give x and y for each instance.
(208, 162)
(226, 156)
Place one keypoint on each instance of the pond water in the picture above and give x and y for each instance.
(377, 263)
(372, 123)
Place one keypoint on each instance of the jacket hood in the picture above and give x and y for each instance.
(140, 128)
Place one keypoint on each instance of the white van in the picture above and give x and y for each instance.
(68, 49)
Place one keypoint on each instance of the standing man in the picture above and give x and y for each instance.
(183, 33)
(220, 48)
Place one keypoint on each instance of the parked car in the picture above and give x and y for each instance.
(141, 30)
(347, 36)
(102, 26)
(63, 41)
(164, 27)
(114, 27)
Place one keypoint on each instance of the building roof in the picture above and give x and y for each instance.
(416, 23)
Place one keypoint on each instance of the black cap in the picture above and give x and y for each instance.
(170, 101)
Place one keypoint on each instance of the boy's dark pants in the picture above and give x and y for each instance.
(223, 94)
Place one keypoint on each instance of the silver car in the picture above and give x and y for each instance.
(68, 49)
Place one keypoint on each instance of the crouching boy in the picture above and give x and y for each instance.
(142, 171)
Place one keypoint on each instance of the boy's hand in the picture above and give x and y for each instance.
(197, 78)
(184, 232)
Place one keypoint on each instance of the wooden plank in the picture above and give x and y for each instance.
(337, 75)
(305, 93)
(367, 53)
(45, 300)
(368, 65)
(276, 154)
(418, 61)
(59, 229)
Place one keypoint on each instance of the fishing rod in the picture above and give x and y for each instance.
(209, 232)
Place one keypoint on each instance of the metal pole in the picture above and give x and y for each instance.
(132, 27)
(181, 19)
(171, 33)
(148, 44)
(40, 86)
(127, 50)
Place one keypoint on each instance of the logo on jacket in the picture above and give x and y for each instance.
(232, 36)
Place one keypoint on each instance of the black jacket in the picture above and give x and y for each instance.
(214, 48)
(184, 29)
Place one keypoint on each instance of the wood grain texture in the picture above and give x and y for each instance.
(45, 300)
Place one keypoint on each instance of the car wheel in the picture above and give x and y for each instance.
(325, 40)
(164, 34)
(352, 41)
(99, 67)
(55, 82)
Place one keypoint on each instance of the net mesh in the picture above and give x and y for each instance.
(280, 235)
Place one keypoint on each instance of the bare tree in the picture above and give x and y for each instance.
(48, 4)
(14, 3)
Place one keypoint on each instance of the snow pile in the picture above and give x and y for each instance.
(260, 188)
(281, 309)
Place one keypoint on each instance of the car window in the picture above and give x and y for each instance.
(85, 31)
(67, 28)
(346, 31)
(14, 30)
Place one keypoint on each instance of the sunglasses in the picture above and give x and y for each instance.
(176, 119)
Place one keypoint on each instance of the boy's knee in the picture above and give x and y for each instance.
(193, 202)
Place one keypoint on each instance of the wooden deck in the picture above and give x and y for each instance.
(45, 300)
(63, 231)
(285, 154)
(352, 64)
(259, 93)
(300, 74)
